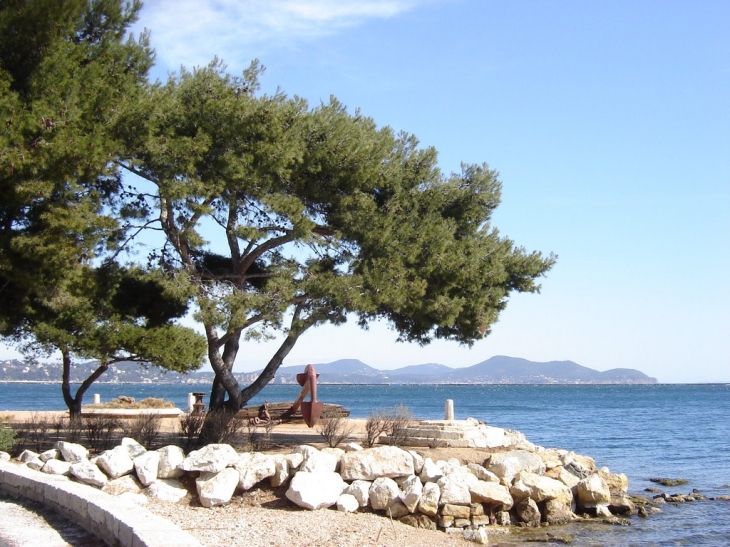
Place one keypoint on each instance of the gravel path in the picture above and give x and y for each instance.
(25, 523)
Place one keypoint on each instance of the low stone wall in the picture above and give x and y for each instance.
(113, 520)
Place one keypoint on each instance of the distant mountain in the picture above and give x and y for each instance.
(496, 370)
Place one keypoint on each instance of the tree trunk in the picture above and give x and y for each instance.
(222, 411)
(74, 403)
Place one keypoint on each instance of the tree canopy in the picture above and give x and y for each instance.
(66, 74)
(284, 216)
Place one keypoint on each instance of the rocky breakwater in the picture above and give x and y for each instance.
(524, 487)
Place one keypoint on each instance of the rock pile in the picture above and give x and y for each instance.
(517, 486)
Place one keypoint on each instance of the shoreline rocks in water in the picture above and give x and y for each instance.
(518, 484)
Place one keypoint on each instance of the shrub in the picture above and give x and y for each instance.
(335, 430)
(33, 432)
(7, 438)
(190, 426)
(393, 423)
(100, 431)
(145, 429)
(124, 401)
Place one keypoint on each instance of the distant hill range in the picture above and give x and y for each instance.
(496, 370)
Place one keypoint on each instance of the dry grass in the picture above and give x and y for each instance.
(128, 402)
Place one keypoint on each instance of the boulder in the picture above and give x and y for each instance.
(212, 458)
(455, 488)
(133, 448)
(4, 456)
(294, 459)
(281, 471)
(88, 473)
(361, 491)
(476, 535)
(52, 454)
(557, 512)
(253, 468)
(580, 466)
(171, 458)
(411, 492)
(539, 488)
(481, 473)
(217, 488)
(456, 511)
(429, 502)
(617, 482)
(397, 510)
(315, 460)
(417, 461)
(621, 504)
(507, 464)
(419, 521)
(430, 472)
(491, 493)
(27, 456)
(36, 464)
(383, 493)
(56, 467)
(122, 485)
(146, 466)
(528, 512)
(373, 463)
(563, 475)
(347, 503)
(72, 452)
(115, 462)
(315, 490)
(550, 457)
(351, 447)
(592, 492)
(171, 490)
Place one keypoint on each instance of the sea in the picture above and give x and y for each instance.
(644, 431)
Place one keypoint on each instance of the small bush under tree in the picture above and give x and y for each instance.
(335, 430)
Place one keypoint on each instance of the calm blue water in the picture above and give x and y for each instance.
(642, 431)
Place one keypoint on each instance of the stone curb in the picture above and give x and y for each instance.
(115, 522)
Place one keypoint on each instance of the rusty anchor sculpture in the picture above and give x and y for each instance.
(312, 409)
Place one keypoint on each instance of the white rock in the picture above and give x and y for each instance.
(281, 472)
(253, 468)
(507, 464)
(481, 473)
(430, 472)
(492, 493)
(373, 463)
(146, 466)
(347, 503)
(397, 510)
(383, 493)
(429, 502)
(417, 461)
(477, 535)
(115, 462)
(52, 454)
(217, 488)
(35, 464)
(411, 492)
(56, 467)
(171, 490)
(72, 452)
(315, 490)
(539, 488)
(122, 485)
(89, 473)
(351, 447)
(133, 448)
(27, 456)
(213, 458)
(315, 460)
(361, 490)
(450, 466)
(171, 458)
(4, 456)
(592, 492)
(455, 488)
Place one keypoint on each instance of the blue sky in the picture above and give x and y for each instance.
(609, 122)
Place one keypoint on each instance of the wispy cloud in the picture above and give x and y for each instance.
(191, 32)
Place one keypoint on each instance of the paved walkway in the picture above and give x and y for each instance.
(24, 523)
